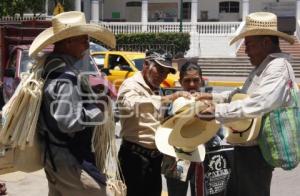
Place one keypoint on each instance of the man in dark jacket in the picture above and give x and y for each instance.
(69, 109)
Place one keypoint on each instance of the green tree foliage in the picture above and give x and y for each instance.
(7, 8)
(67, 4)
(36, 6)
(19, 6)
(12, 7)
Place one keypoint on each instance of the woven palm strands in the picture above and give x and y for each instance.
(104, 144)
(20, 113)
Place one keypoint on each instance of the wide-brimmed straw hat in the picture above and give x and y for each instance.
(244, 130)
(262, 23)
(70, 24)
(183, 135)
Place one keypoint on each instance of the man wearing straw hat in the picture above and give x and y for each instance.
(68, 115)
(141, 107)
(267, 87)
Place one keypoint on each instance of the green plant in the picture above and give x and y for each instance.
(36, 6)
(172, 42)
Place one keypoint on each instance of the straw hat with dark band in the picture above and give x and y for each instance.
(70, 24)
(242, 130)
(183, 135)
(262, 23)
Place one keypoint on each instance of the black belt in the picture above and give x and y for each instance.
(152, 153)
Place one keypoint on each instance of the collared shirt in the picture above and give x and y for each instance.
(140, 111)
(267, 87)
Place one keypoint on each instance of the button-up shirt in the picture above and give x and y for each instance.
(267, 87)
(140, 111)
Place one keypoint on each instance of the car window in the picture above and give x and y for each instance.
(11, 67)
(117, 62)
(96, 47)
(99, 60)
(138, 63)
(92, 67)
(25, 62)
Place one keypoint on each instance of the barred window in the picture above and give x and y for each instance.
(186, 10)
(229, 7)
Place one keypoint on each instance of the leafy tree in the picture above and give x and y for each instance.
(20, 6)
(7, 8)
(36, 6)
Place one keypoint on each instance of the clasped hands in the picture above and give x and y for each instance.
(206, 98)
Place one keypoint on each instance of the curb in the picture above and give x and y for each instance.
(225, 83)
(229, 83)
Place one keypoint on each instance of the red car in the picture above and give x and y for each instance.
(19, 62)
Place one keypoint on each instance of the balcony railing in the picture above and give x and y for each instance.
(18, 18)
(298, 29)
(205, 28)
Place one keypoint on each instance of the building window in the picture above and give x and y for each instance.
(186, 10)
(229, 7)
(134, 4)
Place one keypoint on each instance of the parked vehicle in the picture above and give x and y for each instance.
(119, 65)
(15, 42)
(94, 47)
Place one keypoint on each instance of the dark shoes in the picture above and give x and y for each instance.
(2, 188)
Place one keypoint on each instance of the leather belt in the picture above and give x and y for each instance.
(153, 153)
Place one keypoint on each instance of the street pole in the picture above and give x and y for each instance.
(181, 15)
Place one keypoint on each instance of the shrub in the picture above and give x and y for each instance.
(171, 42)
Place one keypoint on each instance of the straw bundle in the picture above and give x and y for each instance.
(20, 113)
(104, 144)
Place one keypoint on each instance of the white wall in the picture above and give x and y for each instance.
(114, 6)
(216, 46)
(258, 5)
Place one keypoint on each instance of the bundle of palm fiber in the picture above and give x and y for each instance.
(19, 120)
(20, 113)
(104, 144)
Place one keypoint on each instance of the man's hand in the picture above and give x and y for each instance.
(202, 96)
(172, 97)
(208, 113)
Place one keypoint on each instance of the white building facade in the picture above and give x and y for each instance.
(168, 10)
(211, 23)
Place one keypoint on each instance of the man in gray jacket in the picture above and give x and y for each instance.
(69, 109)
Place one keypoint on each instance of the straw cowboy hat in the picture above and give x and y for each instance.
(262, 23)
(183, 135)
(70, 24)
(244, 130)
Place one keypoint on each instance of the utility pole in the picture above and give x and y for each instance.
(181, 16)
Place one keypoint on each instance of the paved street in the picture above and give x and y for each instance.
(35, 184)
(284, 183)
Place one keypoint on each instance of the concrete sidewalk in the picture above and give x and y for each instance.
(35, 184)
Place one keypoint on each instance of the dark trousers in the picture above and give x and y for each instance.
(179, 188)
(141, 169)
(252, 175)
